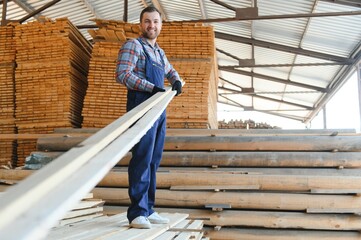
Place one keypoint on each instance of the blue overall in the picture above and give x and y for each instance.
(146, 154)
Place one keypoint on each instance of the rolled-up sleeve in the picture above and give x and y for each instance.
(129, 70)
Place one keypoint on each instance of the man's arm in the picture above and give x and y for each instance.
(172, 76)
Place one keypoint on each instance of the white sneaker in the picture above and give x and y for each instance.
(157, 219)
(140, 222)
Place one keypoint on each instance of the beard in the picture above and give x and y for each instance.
(150, 34)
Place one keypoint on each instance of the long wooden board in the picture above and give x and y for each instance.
(65, 181)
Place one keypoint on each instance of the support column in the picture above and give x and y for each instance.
(324, 112)
(358, 68)
(3, 19)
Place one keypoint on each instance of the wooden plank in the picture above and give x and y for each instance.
(240, 200)
(264, 219)
(73, 220)
(195, 225)
(216, 188)
(148, 234)
(255, 132)
(69, 179)
(170, 234)
(313, 180)
(267, 234)
(87, 211)
(91, 228)
(241, 143)
(265, 143)
(249, 159)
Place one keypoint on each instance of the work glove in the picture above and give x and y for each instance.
(177, 86)
(157, 89)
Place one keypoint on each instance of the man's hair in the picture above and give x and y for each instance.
(149, 9)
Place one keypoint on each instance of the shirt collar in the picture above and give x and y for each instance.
(144, 40)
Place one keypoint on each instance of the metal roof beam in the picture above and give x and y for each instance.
(202, 9)
(33, 13)
(224, 5)
(235, 104)
(283, 48)
(270, 17)
(267, 98)
(2, 1)
(160, 8)
(25, 7)
(90, 7)
(287, 65)
(351, 3)
(273, 79)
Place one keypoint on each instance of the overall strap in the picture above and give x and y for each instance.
(146, 53)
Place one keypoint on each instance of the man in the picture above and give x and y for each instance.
(142, 67)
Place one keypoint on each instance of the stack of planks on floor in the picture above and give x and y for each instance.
(117, 227)
(88, 208)
(248, 184)
(265, 184)
(51, 78)
(189, 48)
(247, 124)
(7, 96)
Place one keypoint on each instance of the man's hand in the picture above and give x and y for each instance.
(177, 86)
(157, 89)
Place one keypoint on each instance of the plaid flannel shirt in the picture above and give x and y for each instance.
(130, 69)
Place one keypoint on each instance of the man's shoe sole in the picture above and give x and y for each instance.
(141, 226)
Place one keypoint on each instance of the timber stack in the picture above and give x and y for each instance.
(189, 48)
(51, 78)
(7, 89)
(246, 184)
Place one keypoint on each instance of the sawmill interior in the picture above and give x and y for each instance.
(66, 136)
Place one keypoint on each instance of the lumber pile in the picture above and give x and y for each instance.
(189, 48)
(117, 227)
(259, 198)
(246, 184)
(7, 97)
(87, 209)
(51, 78)
(247, 124)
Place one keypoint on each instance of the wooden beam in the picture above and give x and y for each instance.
(272, 234)
(263, 219)
(335, 160)
(232, 143)
(240, 200)
(62, 183)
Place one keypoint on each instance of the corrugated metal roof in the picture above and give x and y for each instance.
(299, 61)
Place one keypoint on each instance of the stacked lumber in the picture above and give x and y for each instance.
(117, 227)
(88, 208)
(240, 124)
(258, 185)
(7, 97)
(51, 78)
(189, 48)
(247, 184)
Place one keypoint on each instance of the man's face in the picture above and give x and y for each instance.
(151, 25)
